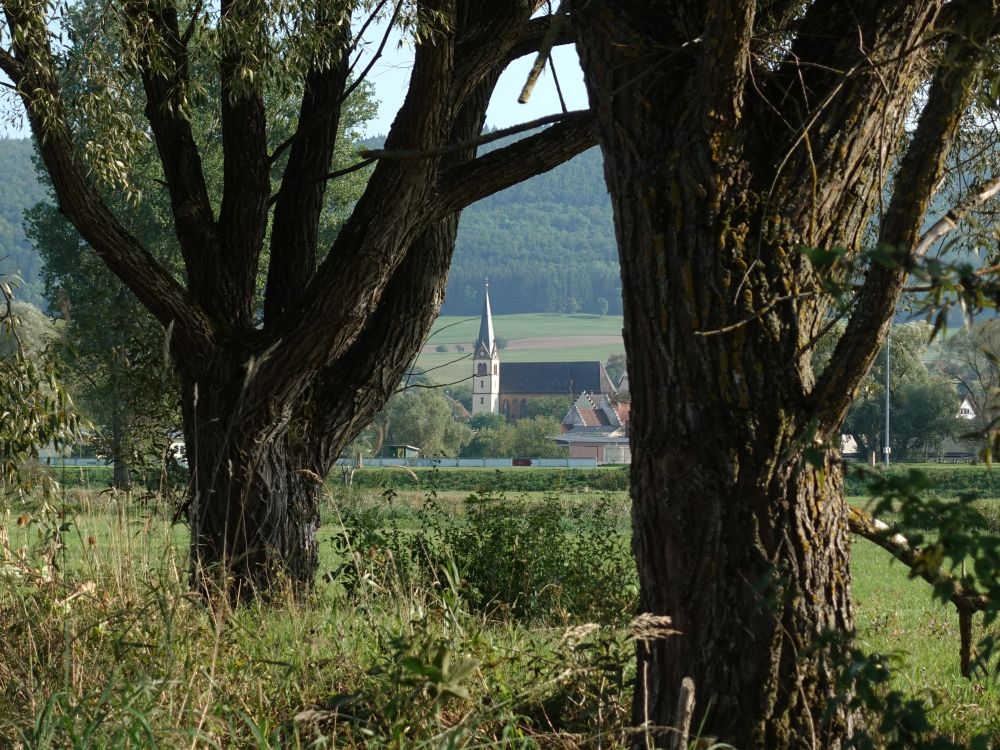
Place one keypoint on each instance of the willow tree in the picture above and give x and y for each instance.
(742, 138)
(273, 388)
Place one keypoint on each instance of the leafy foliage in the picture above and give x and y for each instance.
(526, 437)
(35, 410)
(19, 190)
(530, 559)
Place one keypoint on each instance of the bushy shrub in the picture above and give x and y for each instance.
(550, 558)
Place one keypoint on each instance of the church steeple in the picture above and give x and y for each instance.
(486, 364)
(486, 343)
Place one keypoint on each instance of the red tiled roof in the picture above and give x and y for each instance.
(624, 410)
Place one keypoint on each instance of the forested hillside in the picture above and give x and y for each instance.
(547, 245)
(19, 189)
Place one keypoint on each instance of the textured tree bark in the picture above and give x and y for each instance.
(723, 157)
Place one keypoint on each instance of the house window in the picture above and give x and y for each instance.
(496, 368)
(480, 399)
(481, 385)
(481, 370)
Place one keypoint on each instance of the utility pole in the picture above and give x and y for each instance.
(886, 449)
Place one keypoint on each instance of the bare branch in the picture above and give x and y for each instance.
(877, 532)
(544, 50)
(496, 135)
(378, 53)
(468, 182)
(348, 170)
(976, 197)
(10, 66)
(533, 34)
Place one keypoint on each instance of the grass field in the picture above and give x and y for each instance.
(108, 650)
(571, 331)
(457, 330)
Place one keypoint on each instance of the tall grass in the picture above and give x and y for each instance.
(103, 646)
(439, 620)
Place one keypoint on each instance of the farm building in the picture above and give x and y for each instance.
(597, 427)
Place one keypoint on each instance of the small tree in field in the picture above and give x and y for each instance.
(273, 385)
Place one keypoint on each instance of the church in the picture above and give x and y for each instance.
(507, 388)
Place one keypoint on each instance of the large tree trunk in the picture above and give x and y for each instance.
(738, 539)
(254, 496)
(721, 166)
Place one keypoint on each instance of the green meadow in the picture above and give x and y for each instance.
(571, 341)
(458, 330)
(439, 619)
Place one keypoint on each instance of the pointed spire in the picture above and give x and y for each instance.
(486, 340)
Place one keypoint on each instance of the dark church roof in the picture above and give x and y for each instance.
(569, 378)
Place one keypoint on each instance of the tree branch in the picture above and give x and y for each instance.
(299, 200)
(164, 86)
(480, 140)
(10, 66)
(328, 314)
(724, 62)
(375, 58)
(466, 183)
(534, 33)
(556, 22)
(80, 202)
(919, 173)
(966, 601)
(246, 171)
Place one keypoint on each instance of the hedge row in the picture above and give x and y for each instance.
(979, 480)
(946, 479)
(490, 480)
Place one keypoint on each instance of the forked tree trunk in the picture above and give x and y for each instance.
(737, 537)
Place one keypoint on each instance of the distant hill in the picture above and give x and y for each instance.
(19, 190)
(547, 245)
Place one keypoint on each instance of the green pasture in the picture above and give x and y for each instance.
(458, 330)
(454, 367)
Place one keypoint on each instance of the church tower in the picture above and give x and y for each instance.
(486, 365)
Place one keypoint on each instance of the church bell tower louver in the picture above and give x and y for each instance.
(486, 365)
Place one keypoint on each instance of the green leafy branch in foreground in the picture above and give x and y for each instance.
(35, 410)
(960, 559)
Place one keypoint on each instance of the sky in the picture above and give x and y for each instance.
(390, 76)
(391, 73)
